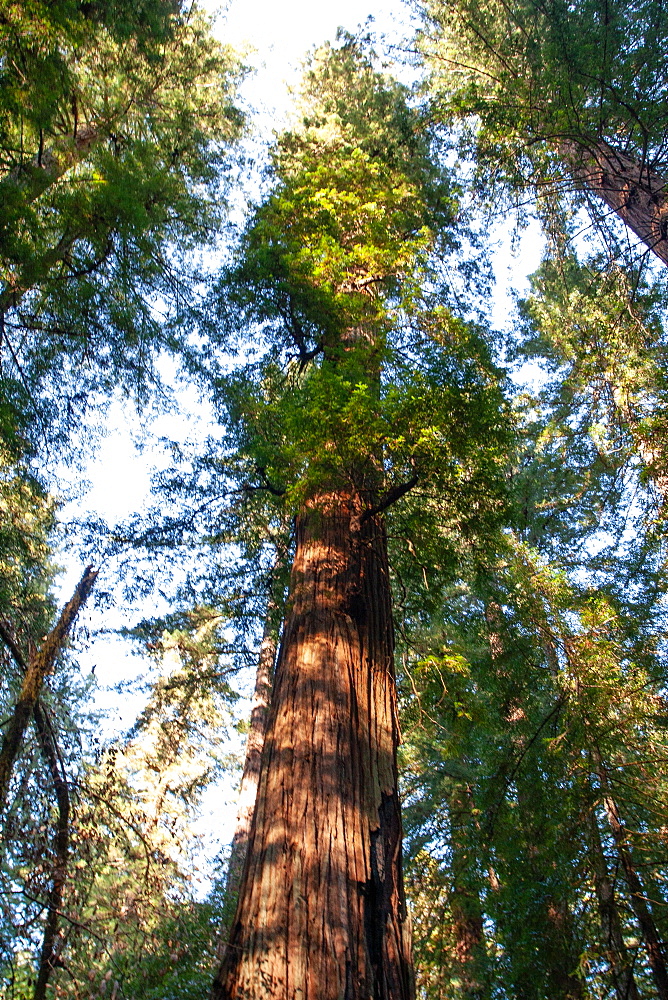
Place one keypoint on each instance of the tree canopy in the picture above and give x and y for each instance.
(439, 546)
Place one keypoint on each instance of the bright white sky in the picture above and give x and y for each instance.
(282, 32)
(275, 37)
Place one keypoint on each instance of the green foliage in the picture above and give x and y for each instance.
(499, 779)
(526, 540)
(529, 76)
(366, 382)
(136, 922)
(538, 674)
(358, 203)
(116, 121)
(113, 132)
(601, 335)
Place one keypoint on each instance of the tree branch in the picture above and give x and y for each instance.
(37, 668)
(12, 645)
(389, 498)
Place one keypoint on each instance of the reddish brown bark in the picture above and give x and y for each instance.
(561, 953)
(637, 194)
(321, 914)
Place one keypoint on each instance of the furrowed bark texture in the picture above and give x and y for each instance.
(632, 190)
(321, 914)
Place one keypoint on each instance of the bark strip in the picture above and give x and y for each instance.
(49, 955)
(251, 773)
(321, 913)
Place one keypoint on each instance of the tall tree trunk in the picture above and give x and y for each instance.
(628, 187)
(620, 966)
(559, 947)
(563, 953)
(321, 914)
(251, 773)
(637, 894)
(35, 670)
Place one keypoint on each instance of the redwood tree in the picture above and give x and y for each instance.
(339, 420)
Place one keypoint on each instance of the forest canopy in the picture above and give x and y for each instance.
(433, 544)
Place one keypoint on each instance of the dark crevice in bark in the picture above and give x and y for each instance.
(382, 893)
(321, 913)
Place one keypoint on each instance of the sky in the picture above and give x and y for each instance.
(279, 35)
(275, 38)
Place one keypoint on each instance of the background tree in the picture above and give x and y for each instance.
(559, 96)
(115, 122)
(541, 651)
(128, 913)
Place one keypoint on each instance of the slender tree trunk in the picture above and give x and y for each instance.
(49, 954)
(321, 914)
(36, 669)
(620, 966)
(465, 905)
(251, 773)
(628, 187)
(637, 894)
(563, 953)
